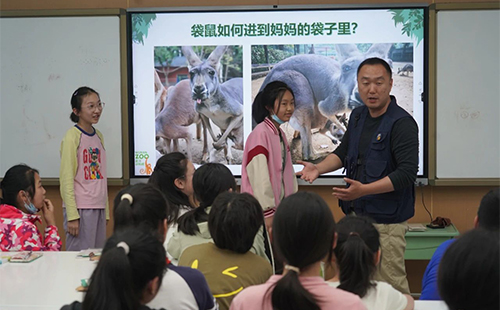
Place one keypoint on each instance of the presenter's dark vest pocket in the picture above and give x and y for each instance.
(381, 208)
(378, 145)
(375, 169)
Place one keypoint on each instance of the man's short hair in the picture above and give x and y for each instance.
(376, 61)
(488, 214)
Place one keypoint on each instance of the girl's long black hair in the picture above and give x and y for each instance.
(303, 232)
(357, 244)
(209, 181)
(119, 280)
(169, 167)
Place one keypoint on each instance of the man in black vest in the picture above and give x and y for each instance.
(380, 154)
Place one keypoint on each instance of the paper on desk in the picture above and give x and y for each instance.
(416, 227)
(89, 252)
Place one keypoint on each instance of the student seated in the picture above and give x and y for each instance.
(488, 217)
(228, 265)
(22, 197)
(209, 181)
(469, 273)
(144, 206)
(357, 255)
(303, 232)
(173, 176)
(128, 275)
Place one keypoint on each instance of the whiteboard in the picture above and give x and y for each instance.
(43, 60)
(468, 94)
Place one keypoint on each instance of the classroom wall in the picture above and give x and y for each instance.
(458, 203)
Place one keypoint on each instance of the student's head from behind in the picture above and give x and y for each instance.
(234, 221)
(209, 180)
(22, 188)
(173, 175)
(375, 84)
(142, 206)
(357, 253)
(303, 234)
(129, 272)
(86, 106)
(303, 229)
(276, 100)
(488, 214)
(469, 272)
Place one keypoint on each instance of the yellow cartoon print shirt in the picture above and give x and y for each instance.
(227, 272)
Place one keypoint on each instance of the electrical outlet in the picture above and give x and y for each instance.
(421, 182)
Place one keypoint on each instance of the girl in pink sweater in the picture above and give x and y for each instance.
(267, 171)
(304, 234)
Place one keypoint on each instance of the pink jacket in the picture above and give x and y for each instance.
(265, 140)
(18, 232)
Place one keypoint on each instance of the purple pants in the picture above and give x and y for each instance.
(92, 230)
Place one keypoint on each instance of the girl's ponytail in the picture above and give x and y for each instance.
(356, 262)
(288, 293)
(74, 118)
(130, 260)
(111, 284)
(357, 245)
(303, 233)
(123, 215)
(188, 222)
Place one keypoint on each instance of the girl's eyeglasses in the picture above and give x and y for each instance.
(99, 106)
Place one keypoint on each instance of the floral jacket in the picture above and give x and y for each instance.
(18, 232)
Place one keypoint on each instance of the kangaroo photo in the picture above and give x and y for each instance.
(323, 79)
(199, 102)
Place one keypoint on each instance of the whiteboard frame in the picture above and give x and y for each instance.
(121, 14)
(432, 116)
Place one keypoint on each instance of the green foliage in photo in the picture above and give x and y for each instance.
(412, 21)
(140, 26)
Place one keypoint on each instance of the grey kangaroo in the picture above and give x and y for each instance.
(323, 89)
(174, 118)
(314, 81)
(406, 69)
(222, 103)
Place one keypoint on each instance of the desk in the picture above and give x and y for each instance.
(46, 283)
(422, 244)
(430, 305)
(55, 277)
